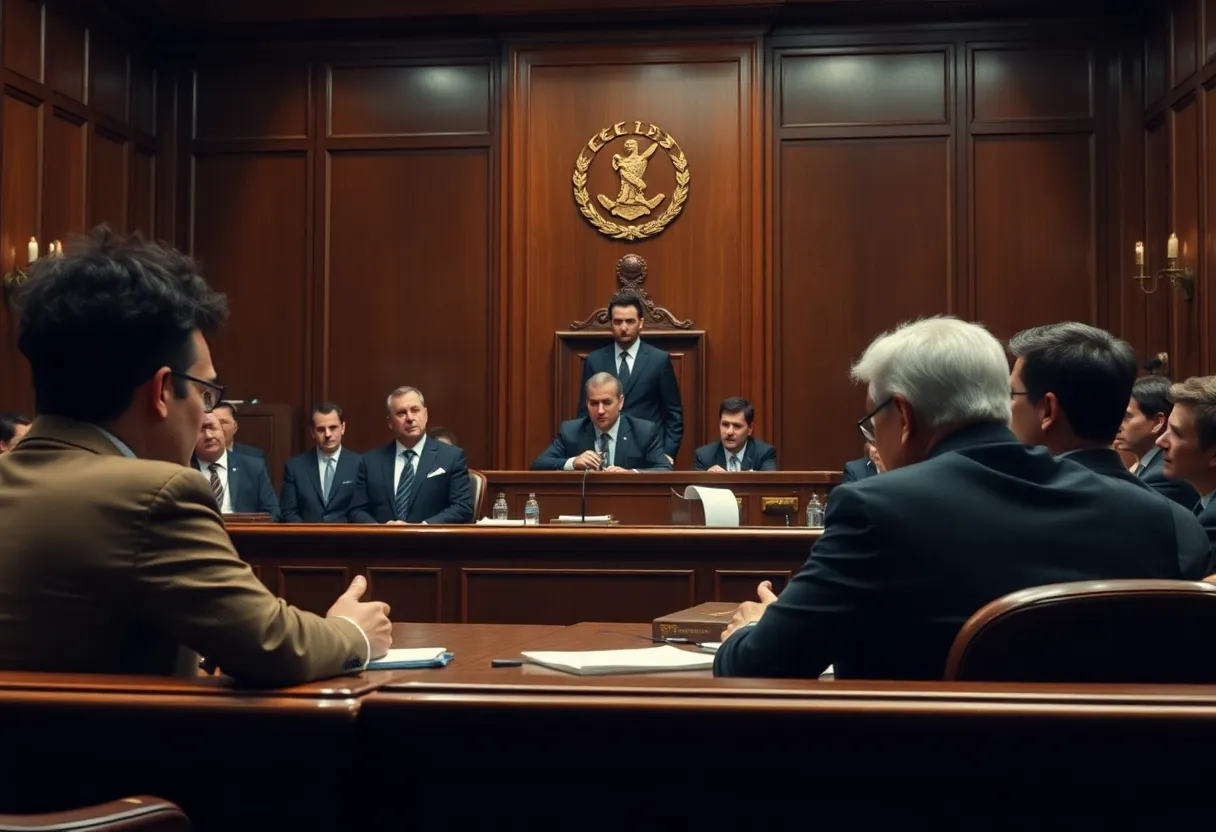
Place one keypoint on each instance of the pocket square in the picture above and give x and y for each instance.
(436, 473)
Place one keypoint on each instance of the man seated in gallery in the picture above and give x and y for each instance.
(964, 514)
(241, 484)
(605, 439)
(737, 449)
(1189, 445)
(1144, 422)
(319, 484)
(413, 480)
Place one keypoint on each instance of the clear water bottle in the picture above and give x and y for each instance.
(531, 511)
(814, 512)
(500, 507)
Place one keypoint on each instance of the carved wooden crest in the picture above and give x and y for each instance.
(630, 275)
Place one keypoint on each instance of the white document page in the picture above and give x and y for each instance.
(639, 660)
(721, 507)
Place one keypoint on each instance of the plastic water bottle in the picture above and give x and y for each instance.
(814, 512)
(531, 511)
(500, 507)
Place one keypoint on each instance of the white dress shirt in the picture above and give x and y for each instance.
(612, 432)
(1207, 498)
(321, 457)
(222, 473)
(739, 454)
(123, 448)
(399, 461)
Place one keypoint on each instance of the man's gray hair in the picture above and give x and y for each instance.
(403, 391)
(599, 380)
(950, 371)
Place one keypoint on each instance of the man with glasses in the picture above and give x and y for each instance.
(114, 557)
(964, 514)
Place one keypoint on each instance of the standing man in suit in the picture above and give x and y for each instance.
(412, 480)
(318, 485)
(240, 483)
(1189, 443)
(887, 586)
(13, 426)
(1144, 421)
(607, 440)
(144, 577)
(648, 380)
(1069, 386)
(867, 466)
(737, 449)
(225, 414)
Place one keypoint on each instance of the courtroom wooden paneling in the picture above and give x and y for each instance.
(63, 162)
(251, 231)
(1157, 228)
(274, 101)
(544, 575)
(1184, 40)
(412, 100)
(704, 267)
(23, 37)
(1188, 336)
(109, 78)
(108, 180)
(67, 46)
(142, 204)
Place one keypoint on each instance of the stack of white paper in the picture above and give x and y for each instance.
(710, 646)
(640, 660)
(486, 521)
(590, 518)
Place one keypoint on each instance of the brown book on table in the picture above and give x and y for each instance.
(704, 622)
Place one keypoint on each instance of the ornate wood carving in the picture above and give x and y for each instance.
(631, 274)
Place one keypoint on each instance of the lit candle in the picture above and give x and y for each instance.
(33, 249)
(57, 248)
(1139, 254)
(1171, 248)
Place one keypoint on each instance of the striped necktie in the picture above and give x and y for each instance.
(401, 500)
(734, 463)
(217, 487)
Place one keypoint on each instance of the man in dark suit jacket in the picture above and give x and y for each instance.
(225, 414)
(1189, 445)
(413, 479)
(737, 449)
(606, 440)
(647, 376)
(1144, 421)
(318, 485)
(1070, 384)
(241, 484)
(888, 586)
(860, 469)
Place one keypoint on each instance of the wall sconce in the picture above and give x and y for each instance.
(1183, 277)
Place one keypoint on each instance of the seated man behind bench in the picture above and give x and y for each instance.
(114, 558)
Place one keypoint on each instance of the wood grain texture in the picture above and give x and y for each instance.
(252, 101)
(108, 181)
(67, 43)
(23, 28)
(1027, 83)
(410, 100)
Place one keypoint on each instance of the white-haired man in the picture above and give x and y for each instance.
(964, 514)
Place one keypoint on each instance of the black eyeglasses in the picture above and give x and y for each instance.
(213, 393)
(866, 423)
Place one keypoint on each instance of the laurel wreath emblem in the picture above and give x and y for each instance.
(586, 205)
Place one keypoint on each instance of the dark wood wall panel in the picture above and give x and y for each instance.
(109, 77)
(108, 181)
(1189, 340)
(1209, 30)
(1034, 256)
(251, 232)
(64, 171)
(858, 88)
(835, 297)
(252, 101)
(410, 100)
(143, 96)
(1021, 83)
(23, 39)
(19, 220)
(703, 267)
(1184, 40)
(410, 285)
(142, 217)
(1157, 225)
(67, 44)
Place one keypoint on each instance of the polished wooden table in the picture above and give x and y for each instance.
(535, 575)
(766, 498)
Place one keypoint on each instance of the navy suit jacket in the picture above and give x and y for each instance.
(1207, 519)
(1195, 565)
(637, 445)
(858, 469)
(906, 558)
(435, 498)
(1180, 491)
(301, 499)
(248, 451)
(651, 393)
(249, 486)
(757, 456)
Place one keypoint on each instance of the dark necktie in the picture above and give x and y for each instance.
(623, 375)
(328, 485)
(604, 449)
(217, 487)
(1198, 509)
(402, 500)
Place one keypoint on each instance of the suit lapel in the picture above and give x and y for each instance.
(624, 443)
(720, 456)
(312, 463)
(234, 474)
(589, 437)
(348, 469)
(749, 456)
(426, 464)
(635, 369)
(389, 461)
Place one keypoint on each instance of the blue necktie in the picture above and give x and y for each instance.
(402, 499)
(328, 485)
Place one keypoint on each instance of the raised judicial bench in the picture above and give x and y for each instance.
(424, 747)
(766, 498)
(534, 575)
